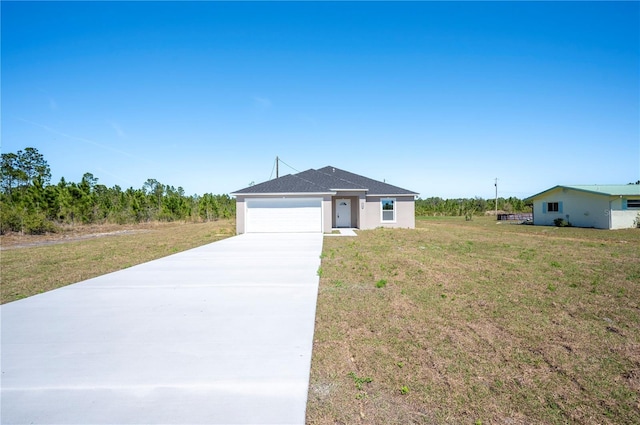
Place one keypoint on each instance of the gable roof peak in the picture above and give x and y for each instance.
(324, 180)
(374, 187)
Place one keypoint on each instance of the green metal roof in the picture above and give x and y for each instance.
(610, 189)
(599, 189)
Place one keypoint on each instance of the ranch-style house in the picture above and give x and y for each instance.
(598, 206)
(321, 200)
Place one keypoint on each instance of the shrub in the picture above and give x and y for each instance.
(10, 220)
(561, 222)
(37, 224)
(31, 223)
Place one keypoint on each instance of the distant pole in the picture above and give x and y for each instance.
(496, 185)
(277, 171)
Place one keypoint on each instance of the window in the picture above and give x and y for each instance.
(633, 203)
(552, 207)
(388, 210)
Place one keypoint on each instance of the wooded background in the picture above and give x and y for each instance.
(30, 204)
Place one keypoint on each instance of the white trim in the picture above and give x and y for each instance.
(395, 210)
(276, 224)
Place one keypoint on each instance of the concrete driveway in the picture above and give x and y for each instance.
(220, 334)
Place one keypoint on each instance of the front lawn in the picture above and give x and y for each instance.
(477, 322)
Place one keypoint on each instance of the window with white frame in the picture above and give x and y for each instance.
(633, 203)
(388, 209)
(553, 207)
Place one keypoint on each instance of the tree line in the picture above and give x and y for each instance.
(30, 204)
(468, 206)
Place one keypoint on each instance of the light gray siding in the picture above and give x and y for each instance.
(366, 211)
(327, 214)
(404, 214)
(240, 210)
(357, 199)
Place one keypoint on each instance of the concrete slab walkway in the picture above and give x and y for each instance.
(343, 232)
(220, 334)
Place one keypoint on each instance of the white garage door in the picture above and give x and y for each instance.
(283, 215)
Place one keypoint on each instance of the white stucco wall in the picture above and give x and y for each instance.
(583, 209)
(624, 219)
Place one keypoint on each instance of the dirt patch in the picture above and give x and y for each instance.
(15, 240)
(44, 240)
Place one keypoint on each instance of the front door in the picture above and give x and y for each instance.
(343, 212)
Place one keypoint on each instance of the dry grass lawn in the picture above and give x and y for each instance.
(452, 322)
(473, 322)
(34, 264)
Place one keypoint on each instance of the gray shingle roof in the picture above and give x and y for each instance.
(374, 187)
(291, 183)
(324, 180)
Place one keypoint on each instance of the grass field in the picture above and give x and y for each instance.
(474, 322)
(452, 322)
(92, 251)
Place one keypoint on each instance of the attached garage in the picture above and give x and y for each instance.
(281, 215)
(309, 202)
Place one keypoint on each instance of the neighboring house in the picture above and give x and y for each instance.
(320, 200)
(599, 206)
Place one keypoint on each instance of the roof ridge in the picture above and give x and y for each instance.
(309, 181)
(369, 179)
(324, 181)
(340, 178)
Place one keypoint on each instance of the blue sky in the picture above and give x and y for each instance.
(436, 97)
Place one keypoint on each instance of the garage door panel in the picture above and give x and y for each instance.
(284, 215)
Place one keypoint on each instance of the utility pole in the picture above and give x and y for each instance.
(496, 185)
(277, 170)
